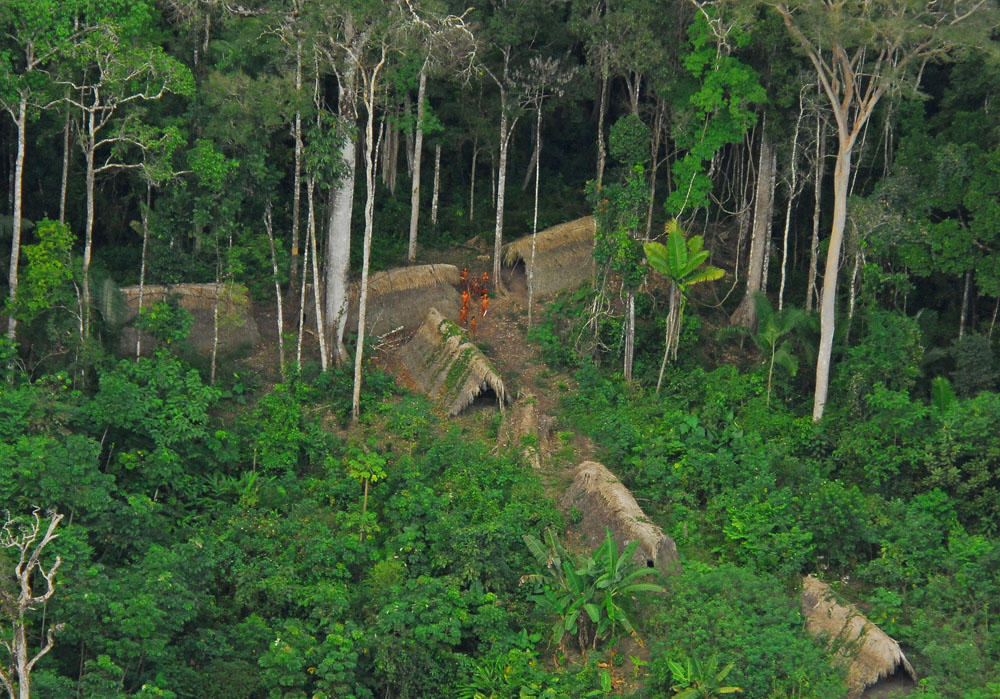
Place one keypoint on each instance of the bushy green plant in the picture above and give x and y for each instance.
(579, 589)
(748, 619)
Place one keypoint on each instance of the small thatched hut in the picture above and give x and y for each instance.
(868, 652)
(605, 502)
(443, 364)
(399, 298)
(564, 256)
(237, 327)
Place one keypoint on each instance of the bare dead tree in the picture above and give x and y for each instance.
(26, 539)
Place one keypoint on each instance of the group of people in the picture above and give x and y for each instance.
(470, 290)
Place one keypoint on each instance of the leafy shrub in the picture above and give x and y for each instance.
(746, 619)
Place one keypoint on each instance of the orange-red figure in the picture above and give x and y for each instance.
(472, 326)
(485, 304)
(462, 315)
(465, 299)
(465, 275)
(486, 283)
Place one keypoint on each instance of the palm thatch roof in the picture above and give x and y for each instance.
(400, 297)
(868, 652)
(443, 364)
(605, 502)
(237, 327)
(564, 256)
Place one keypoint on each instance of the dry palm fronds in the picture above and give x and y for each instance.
(869, 653)
(400, 297)
(563, 255)
(443, 364)
(605, 502)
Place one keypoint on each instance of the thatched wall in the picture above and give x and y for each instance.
(564, 256)
(237, 327)
(605, 502)
(869, 653)
(443, 364)
(401, 297)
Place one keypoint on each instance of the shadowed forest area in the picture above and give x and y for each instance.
(741, 257)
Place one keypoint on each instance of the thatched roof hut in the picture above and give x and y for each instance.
(605, 502)
(868, 652)
(237, 327)
(399, 298)
(443, 364)
(564, 256)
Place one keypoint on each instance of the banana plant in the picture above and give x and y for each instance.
(591, 595)
(566, 587)
(617, 582)
(682, 261)
(696, 680)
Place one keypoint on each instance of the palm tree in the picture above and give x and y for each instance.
(770, 337)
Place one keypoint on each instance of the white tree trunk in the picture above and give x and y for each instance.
(293, 262)
(369, 227)
(64, 184)
(338, 254)
(745, 314)
(792, 192)
(506, 130)
(418, 146)
(338, 235)
(277, 291)
(314, 254)
(437, 183)
(534, 223)
(88, 245)
(964, 313)
(15, 242)
(142, 264)
(472, 179)
(818, 175)
(828, 303)
(602, 151)
(629, 335)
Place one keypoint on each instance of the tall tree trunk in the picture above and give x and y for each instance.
(506, 131)
(293, 262)
(369, 227)
(828, 302)
(142, 264)
(277, 291)
(418, 146)
(534, 223)
(792, 192)
(21, 122)
(435, 193)
(602, 151)
(852, 290)
(654, 164)
(820, 171)
(745, 314)
(338, 241)
(530, 171)
(672, 333)
(964, 313)
(64, 182)
(321, 316)
(629, 335)
(88, 245)
(472, 179)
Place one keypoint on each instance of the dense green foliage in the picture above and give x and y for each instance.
(229, 534)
